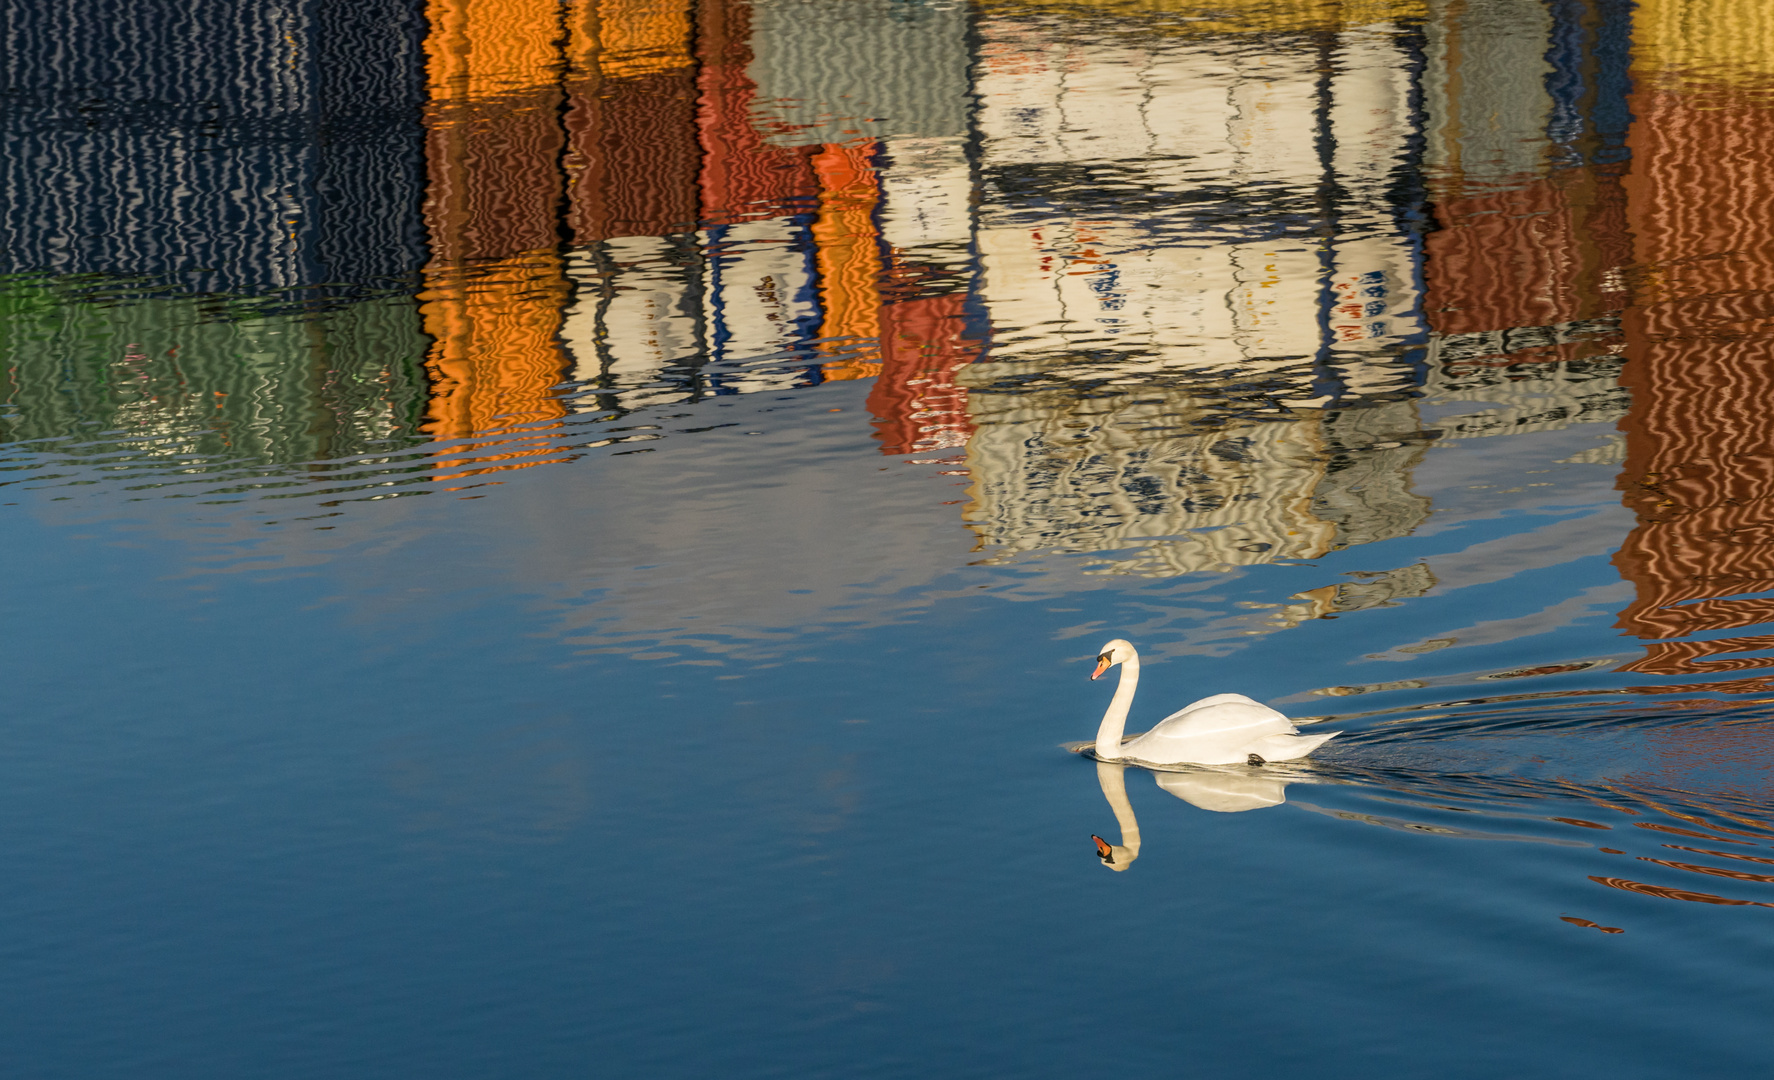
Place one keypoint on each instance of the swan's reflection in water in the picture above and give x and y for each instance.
(1225, 790)
(1117, 857)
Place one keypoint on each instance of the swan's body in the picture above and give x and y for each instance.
(1225, 729)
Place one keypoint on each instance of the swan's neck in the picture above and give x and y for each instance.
(1113, 779)
(1108, 736)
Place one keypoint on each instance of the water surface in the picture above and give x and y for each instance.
(569, 538)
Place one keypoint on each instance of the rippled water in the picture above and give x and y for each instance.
(802, 391)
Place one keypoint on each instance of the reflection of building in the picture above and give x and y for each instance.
(1524, 153)
(1525, 265)
(662, 142)
(221, 145)
(496, 285)
(212, 148)
(204, 394)
(1699, 462)
(1148, 291)
(785, 204)
(1580, 282)
(1119, 246)
(1653, 279)
(1161, 478)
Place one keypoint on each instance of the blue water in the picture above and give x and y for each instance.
(678, 722)
(462, 788)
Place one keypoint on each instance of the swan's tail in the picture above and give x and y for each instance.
(1292, 747)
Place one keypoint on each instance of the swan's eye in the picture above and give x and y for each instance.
(1103, 659)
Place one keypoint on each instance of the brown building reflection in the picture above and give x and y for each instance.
(1699, 467)
(1567, 255)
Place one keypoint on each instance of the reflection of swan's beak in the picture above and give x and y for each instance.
(1103, 850)
(1102, 665)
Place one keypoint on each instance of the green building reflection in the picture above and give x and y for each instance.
(178, 389)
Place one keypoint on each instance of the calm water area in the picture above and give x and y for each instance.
(557, 538)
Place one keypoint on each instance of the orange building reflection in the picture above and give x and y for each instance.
(494, 289)
(849, 256)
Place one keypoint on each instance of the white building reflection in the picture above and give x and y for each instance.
(1164, 198)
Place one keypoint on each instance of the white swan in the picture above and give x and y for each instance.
(1224, 729)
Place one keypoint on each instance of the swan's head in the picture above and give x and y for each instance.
(1114, 856)
(1115, 652)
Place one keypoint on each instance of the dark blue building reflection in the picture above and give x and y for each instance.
(223, 145)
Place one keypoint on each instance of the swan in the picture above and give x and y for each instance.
(1225, 729)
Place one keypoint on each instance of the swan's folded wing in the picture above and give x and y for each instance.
(1214, 699)
(1226, 712)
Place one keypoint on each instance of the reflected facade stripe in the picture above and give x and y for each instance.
(496, 287)
(1699, 470)
(849, 260)
(286, 158)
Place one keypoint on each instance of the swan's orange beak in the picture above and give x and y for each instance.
(1102, 664)
(1103, 850)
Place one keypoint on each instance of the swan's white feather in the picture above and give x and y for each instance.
(1224, 729)
(1292, 747)
(1215, 699)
